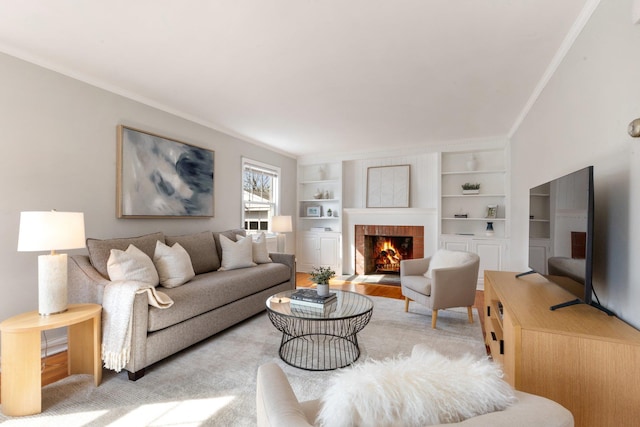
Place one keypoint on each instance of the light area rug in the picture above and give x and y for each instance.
(213, 383)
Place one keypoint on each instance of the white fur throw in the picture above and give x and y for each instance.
(425, 389)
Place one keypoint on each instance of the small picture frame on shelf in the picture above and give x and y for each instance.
(492, 211)
(313, 211)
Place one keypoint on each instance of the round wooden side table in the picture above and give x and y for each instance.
(21, 353)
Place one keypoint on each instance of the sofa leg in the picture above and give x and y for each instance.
(406, 304)
(135, 376)
(434, 318)
(470, 313)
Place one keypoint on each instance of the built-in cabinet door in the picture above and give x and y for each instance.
(318, 249)
(456, 245)
(329, 251)
(307, 251)
(491, 254)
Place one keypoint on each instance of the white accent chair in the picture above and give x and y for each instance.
(277, 406)
(450, 282)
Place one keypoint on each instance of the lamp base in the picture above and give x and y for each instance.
(281, 239)
(52, 284)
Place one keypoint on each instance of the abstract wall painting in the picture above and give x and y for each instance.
(159, 177)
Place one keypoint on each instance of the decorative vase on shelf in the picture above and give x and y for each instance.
(329, 212)
(322, 173)
(489, 230)
(318, 194)
(472, 163)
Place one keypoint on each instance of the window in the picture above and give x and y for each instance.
(260, 196)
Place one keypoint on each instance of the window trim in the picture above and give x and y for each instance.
(276, 172)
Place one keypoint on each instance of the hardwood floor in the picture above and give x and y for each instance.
(55, 367)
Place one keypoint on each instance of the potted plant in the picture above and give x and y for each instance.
(321, 276)
(470, 188)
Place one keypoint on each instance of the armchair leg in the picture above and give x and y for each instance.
(470, 313)
(406, 304)
(434, 318)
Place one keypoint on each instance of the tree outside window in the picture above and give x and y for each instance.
(259, 195)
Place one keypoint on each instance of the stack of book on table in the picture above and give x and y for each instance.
(309, 300)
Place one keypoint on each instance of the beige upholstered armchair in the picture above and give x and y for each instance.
(447, 279)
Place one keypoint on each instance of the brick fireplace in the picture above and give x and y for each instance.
(379, 248)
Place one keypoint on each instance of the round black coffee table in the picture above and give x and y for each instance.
(320, 339)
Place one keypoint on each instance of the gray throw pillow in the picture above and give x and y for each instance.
(201, 249)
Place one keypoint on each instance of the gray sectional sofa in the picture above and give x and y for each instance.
(209, 303)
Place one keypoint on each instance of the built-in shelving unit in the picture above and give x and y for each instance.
(319, 225)
(464, 218)
(487, 168)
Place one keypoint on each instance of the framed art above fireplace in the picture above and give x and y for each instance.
(388, 186)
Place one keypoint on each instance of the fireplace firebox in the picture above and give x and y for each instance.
(380, 248)
(382, 254)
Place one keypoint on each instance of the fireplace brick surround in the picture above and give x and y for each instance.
(414, 231)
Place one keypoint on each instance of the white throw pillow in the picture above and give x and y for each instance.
(236, 254)
(425, 389)
(173, 264)
(132, 264)
(444, 258)
(259, 248)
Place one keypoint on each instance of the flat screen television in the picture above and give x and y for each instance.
(561, 218)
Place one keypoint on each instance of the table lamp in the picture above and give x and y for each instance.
(281, 224)
(51, 231)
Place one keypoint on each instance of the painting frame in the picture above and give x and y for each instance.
(161, 177)
(388, 186)
(492, 211)
(313, 211)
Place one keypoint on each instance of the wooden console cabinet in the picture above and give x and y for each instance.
(578, 356)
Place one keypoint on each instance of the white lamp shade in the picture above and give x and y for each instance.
(50, 231)
(281, 224)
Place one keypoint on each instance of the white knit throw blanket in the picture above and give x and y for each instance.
(117, 316)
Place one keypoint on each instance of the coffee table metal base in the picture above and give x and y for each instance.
(319, 344)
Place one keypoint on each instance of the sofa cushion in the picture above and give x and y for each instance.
(208, 291)
(100, 250)
(173, 265)
(132, 264)
(444, 258)
(424, 389)
(201, 249)
(236, 254)
(259, 248)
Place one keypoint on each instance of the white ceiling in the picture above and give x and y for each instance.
(308, 76)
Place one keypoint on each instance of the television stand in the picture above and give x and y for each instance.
(581, 358)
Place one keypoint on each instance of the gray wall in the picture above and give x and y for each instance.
(58, 138)
(581, 119)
